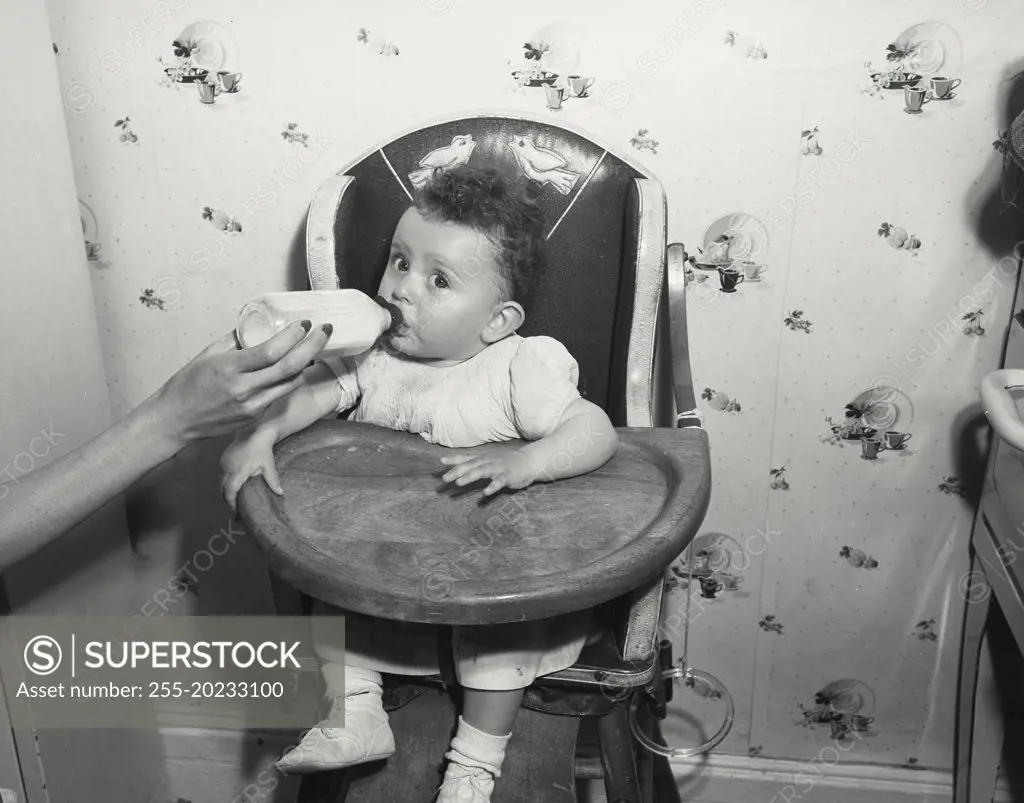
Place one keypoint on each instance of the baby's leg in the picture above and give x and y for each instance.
(493, 712)
(495, 664)
(478, 749)
(356, 730)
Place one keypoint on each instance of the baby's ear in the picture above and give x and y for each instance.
(507, 319)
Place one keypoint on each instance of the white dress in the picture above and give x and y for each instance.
(515, 388)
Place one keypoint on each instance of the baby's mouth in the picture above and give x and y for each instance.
(398, 323)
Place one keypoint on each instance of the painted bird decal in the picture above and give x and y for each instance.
(446, 158)
(542, 165)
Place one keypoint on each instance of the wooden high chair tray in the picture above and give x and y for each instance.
(367, 524)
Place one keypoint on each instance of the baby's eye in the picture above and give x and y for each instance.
(400, 263)
(441, 281)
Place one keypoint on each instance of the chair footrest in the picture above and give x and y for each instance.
(587, 765)
(590, 687)
(600, 666)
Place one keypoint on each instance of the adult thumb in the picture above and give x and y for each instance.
(223, 345)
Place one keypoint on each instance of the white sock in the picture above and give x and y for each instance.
(345, 681)
(474, 748)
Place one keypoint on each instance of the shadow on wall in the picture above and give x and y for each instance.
(971, 439)
(298, 273)
(998, 225)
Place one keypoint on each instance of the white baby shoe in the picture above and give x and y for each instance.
(466, 785)
(474, 762)
(355, 732)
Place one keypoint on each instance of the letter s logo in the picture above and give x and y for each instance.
(43, 655)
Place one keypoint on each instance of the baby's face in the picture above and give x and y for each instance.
(444, 278)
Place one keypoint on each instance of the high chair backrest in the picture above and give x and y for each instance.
(604, 292)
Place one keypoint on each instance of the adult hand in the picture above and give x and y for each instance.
(225, 388)
(218, 392)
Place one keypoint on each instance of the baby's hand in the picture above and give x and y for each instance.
(507, 468)
(245, 458)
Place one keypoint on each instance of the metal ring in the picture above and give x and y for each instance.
(684, 752)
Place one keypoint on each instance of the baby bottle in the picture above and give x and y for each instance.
(358, 320)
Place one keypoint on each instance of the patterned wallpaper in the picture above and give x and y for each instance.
(837, 179)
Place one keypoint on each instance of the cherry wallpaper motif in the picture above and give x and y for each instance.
(837, 179)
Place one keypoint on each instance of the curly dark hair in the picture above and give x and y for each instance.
(493, 203)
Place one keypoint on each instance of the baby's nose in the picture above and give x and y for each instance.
(401, 291)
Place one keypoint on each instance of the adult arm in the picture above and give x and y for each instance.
(219, 391)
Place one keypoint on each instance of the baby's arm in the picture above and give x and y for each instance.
(312, 400)
(252, 453)
(583, 440)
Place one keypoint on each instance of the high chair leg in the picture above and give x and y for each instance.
(645, 764)
(621, 782)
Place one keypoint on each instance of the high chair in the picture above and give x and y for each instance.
(614, 295)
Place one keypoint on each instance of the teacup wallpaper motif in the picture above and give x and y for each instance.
(837, 178)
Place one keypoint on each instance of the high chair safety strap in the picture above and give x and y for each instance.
(687, 414)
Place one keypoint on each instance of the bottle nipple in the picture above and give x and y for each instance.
(397, 322)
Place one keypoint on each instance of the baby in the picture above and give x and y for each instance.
(464, 259)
